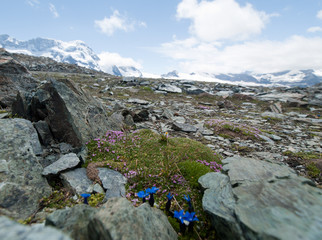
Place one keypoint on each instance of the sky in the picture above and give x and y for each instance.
(218, 36)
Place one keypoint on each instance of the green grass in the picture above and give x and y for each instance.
(313, 171)
(231, 130)
(148, 159)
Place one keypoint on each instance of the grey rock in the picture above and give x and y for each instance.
(265, 202)
(254, 170)
(72, 114)
(113, 182)
(280, 96)
(169, 88)
(76, 180)
(14, 77)
(183, 127)
(4, 115)
(267, 139)
(119, 219)
(44, 133)
(167, 113)
(138, 101)
(276, 107)
(273, 115)
(65, 148)
(192, 90)
(224, 94)
(142, 115)
(116, 121)
(65, 162)
(21, 183)
(10, 230)
(275, 210)
(72, 221)
(219, 203)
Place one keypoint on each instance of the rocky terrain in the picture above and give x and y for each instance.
(269, 140)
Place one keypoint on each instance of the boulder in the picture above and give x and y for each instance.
(262, 199)
(169, 88)
(273, 115)
(138, 101)
(14, 77)
(44, 133)
(119, 219)
(21, 183)
(10, 230)
(219, 203)
(72, 221)
(72, 114)
(76, 180)
(65, 162)
(113, 182)
(184, 127)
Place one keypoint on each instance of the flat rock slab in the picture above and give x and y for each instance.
(65, 162)
(253, 170)
(21, 183)
(183, 127)
(138, 101)
(262, 200)
(72, 221)
(169, 88)
(10, 230)
(113, 182)
(119, 219)
(76, 180)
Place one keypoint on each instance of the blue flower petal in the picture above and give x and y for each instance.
(141, 194)
(85, 195)
(187, 198)
(169, 196)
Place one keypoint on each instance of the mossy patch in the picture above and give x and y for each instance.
(148, 159)
(313, 171)
(232, 130)
(58, 200)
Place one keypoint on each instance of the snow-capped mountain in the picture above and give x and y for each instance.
(302, 78)
(125, 71)
(74, 52)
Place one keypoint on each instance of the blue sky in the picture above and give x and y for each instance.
(186, 35)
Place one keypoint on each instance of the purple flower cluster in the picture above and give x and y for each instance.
(204, 107)
(178, 179)
(219, 124)
(213, 165)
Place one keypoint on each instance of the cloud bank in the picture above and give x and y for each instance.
(221, 41)
(108, 59)
(117, 21)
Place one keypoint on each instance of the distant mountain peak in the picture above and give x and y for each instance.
(73, 52)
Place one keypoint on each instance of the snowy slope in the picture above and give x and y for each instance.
(289, 78)
(74, 52)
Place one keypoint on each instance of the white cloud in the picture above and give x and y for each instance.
(108, 59)
(294, 53)
(116, 21)
(222, 19)
(53, 10)
(33, 3)
(314, 29)
(319, 14)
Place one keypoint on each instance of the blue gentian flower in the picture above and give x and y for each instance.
(85, 196)
(169, 196)
(152, 190)
(190, 217)
(142, 194)
(187, 198)
(179, 215)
